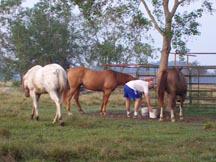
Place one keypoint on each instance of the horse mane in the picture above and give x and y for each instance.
(122, 78)
(161, 87)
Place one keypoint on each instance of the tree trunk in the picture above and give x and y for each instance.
(166, 47)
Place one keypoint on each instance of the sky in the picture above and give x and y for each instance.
(206, 42)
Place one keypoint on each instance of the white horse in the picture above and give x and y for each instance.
(51, 79)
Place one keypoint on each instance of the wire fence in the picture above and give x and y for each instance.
(201, 81)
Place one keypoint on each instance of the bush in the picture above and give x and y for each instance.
(16, 83)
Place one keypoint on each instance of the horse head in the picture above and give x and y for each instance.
(25, 87)
(27, 93)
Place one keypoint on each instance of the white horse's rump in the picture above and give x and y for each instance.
(51, 79)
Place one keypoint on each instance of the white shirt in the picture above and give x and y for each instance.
(138, 85)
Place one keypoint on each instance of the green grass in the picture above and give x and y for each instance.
(94, 138)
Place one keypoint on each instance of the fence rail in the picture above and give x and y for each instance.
(201, 80)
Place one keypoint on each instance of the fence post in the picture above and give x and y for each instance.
(190, 86)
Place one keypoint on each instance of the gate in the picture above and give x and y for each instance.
(201, 80)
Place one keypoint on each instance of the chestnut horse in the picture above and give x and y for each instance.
(173, 82)
(104, 80)
(51, 79)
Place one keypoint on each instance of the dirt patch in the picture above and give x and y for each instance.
(187, 118)
(193, 118)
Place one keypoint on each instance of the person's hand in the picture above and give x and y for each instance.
(150, 108)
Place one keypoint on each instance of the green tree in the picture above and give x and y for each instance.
(119, 26)
(56, 31)
(175, 27)
(8, 8)
(44, 34)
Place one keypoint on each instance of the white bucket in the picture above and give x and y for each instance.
(145, 112)
(153, 114)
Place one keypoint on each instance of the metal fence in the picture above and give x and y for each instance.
(201, 80)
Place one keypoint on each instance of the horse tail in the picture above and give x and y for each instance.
(161, 87)
(66, 89)
(62, 79)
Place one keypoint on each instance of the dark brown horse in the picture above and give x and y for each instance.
(173, 82)
(105, 81)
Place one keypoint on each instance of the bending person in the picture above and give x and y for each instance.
(133, 90)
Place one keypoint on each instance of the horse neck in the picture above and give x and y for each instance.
(123, 78)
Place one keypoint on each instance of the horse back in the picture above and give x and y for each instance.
(51, 77)
(97, 80)
(29, 75)
(111, 79)
(75, 75)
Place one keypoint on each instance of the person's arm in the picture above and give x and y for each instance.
(148, 102)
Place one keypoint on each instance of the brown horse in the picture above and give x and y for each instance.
(173, 82)
(105, 81)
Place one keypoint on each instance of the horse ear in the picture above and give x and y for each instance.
(178, 68)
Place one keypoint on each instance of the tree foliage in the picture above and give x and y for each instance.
(175, 26)
(121, 25)
(76, 33)
(166, 16)
(43, 34)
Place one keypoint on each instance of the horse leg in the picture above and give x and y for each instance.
(33, 112)
(101, 109)
(76, 97)
(69, 96)
(172, 104)
(54, 96)
(106, 95)
(35, 98)
(161, 114)
(172, 115)
(181, 110)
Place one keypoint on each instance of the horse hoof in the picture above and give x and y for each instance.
(173, 120)
(161, 119)
(69, 113)
(62, 123)
(103, 113)
(81, 111)
(32, 117)
(37, 118)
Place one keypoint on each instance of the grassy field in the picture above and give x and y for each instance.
(93, 138)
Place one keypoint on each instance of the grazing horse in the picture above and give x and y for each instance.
(173, 82)
(51, 79)
(104, 80)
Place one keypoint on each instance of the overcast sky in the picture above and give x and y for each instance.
(206, 42)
